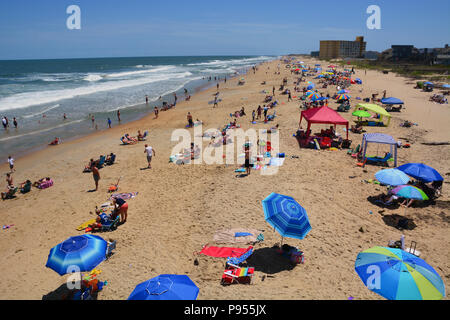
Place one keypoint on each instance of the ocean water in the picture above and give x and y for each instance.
(38, 92)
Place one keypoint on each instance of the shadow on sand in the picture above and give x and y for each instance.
(64, 293)
(269, 261)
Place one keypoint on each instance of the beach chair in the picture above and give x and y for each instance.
(110, 162)
(377, 160)
(354, 153)
(26, 188)
(109, 249)
(239, 259)
(10, 194)
(112, 225)
(101, 162)
(144, 137)
(235, 274)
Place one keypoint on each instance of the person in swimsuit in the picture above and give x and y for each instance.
(247, 158)
(95, 175)
(121, 207)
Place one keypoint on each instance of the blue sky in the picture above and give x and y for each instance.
(37, 28)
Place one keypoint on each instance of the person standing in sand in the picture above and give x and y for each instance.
(95, 175)
(150, 153)
(11, 163)
(189, 118)
(120, 207)
(247, 158)
(156, 112)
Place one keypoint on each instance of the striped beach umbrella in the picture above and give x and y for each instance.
(343, 97)
(410, 192)
(166, 287)
(287, 216)
(83, 252)
(392, 177)
(312, 95)
(398, 275)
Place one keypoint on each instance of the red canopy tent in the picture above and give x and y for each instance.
(323, 115)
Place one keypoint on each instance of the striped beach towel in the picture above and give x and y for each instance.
(124, 196)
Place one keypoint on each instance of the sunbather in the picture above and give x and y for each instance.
(40, 181)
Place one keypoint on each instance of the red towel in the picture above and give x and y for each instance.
(223, 252)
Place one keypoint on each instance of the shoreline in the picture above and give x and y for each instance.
(44, 147)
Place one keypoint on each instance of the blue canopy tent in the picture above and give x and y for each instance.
(391, 101)
(381, 139)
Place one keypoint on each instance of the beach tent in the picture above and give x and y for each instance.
(382, 139)
(323, 115)
(377, 109)
(391, 101)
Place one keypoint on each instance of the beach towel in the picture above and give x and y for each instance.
(85, 225)
(223, 252)
(229, 236)
(124, 196)
(240, 170)
(278, 162)
(242, 234)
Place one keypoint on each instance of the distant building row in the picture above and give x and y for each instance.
(335, 49)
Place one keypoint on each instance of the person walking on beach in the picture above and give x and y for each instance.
(15, 122)
(289, 96)
(253, 115)
(118, 115)
(175, 97)
(189, 118)
(109, 123)
(273, 91)
(156, 112)
(150, 153)
(4, 122)
(11, 163)
(95, 175)
(215, 102)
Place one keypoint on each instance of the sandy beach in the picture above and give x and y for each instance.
(179, 208)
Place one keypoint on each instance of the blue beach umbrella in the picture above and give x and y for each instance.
(446, 86)
(421, 172)
(84, 252)
(166, 287)
(287, 216)
(392, 177)
(311, 86)
(398, 275)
